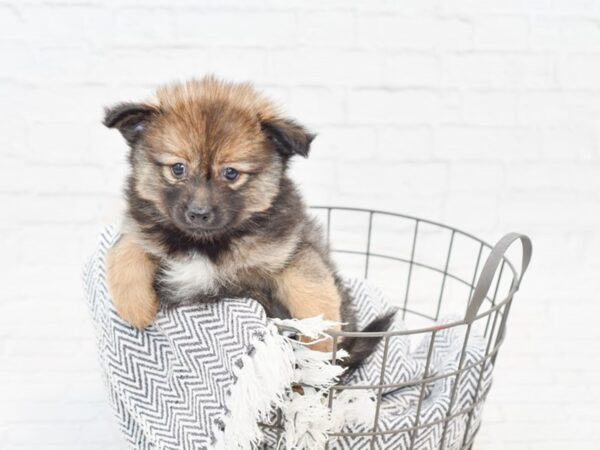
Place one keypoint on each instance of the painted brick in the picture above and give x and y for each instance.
(246, 29)
(304, 66)
(501, 33)
(497, 70)
(405, 143)
(318, 28)
(318, 106)
(392, 107)
(392, 31)
(579, 71)
(411, 69)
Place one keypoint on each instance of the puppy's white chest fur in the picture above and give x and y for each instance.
(196, 274)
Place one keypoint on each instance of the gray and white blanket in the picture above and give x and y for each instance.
(204, 376)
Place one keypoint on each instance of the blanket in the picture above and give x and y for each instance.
(211, 375)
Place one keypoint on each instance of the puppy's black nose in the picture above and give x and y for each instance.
(199, 215)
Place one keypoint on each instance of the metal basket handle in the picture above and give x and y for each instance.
(489, 270)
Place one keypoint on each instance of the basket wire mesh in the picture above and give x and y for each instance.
(481, 294)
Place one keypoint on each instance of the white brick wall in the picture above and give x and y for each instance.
(486, 113)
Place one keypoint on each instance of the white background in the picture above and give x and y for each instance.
(482, 114)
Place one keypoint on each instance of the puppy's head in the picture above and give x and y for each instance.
(206, 155)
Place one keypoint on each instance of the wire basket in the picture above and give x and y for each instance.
(429, 271)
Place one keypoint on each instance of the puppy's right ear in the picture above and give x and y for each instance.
(130, 119)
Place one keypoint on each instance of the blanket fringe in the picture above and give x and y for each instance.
(307, 418)
(264, 383)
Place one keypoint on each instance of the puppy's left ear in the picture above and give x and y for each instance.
(288, 137)
(130, 119)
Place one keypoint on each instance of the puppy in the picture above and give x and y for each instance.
(211, 212)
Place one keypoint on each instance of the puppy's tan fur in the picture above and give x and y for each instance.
(130, 273)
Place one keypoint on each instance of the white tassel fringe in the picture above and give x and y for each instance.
(264, 383)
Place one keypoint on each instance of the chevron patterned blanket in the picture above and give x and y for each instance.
(204, 376)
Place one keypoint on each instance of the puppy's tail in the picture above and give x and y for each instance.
(360, 348)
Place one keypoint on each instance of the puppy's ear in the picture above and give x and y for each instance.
(288, 137)
(130, 119)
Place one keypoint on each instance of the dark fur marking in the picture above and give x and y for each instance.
(276, 222)
(289, 137)
(129, 118)
(360, 348)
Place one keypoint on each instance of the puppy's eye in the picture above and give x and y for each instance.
(178, 169)
(230, 174)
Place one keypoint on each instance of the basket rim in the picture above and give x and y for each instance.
(436, 326)
(406, 216)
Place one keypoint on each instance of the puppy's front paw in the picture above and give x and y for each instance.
(130, 276)
(324, 345)
(135, 304)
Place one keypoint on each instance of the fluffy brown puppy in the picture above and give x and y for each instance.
(211, 212)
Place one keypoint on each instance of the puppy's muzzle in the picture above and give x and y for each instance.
(200, 215)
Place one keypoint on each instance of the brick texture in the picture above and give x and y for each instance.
(481, 114)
